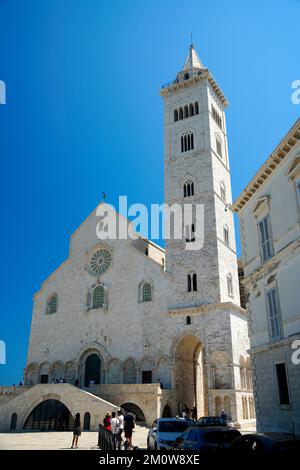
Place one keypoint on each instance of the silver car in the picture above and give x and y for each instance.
(164, 431)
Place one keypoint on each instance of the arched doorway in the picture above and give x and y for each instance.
(50, 415)
(134, 409)
(92, 370)
(188, 374)
(13, 423)
(166, 412)
(87, 421)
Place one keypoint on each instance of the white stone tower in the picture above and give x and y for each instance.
(197, 171)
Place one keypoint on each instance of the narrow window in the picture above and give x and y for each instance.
(180, 113)
(266, 244)
(229, 285)
(282, 384)
(188, 320)
(186, 112)
(192, 189)
(190, 233)
(182, 144)
(219, 146)
(195, 282)
(192, 141)
(226, 235)
(298, 190)
(51, 304)
(196, 107)
(223, 191)
(98, 297)
(274, 313)
(185, 143)
(191, 109)
(189, 283)
(175, 115)
(189, 141)
(147, 292)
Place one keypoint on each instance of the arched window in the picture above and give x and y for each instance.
(186, 112)
(226, 235)
(87, 421)
(223, 191)
(175, 115)
(188, 188)
(191, 109)
(146, 292)
(196, 107)
(192, 282)
(98, 297)
(188, 320)
(229, 285)
(51, 304)
(219, 146)
(180, 113)
(187, 142)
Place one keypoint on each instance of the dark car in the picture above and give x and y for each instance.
(266, 443)
(211, 421)
(206, 438)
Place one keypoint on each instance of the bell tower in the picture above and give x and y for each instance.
(197, 172)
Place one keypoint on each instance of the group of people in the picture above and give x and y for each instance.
(117, 423)
(59, 381)
(188, 413)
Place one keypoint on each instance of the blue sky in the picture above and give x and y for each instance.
(84, 115)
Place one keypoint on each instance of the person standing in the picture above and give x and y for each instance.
(107, 422)
(223, 415)
(115, 428)
(121, 428)
(194, 414)
(76, 432)
(128, 428)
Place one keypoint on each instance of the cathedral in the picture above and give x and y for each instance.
(126, 323)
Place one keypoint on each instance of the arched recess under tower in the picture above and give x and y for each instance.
(189, 374)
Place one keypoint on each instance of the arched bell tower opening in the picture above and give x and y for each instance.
(189, 374)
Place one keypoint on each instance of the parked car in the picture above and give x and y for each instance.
(164, 431)
(266, 443)
(205, 438)
(211, 421)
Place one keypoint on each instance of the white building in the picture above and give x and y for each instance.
(269, 215)
(127, 315)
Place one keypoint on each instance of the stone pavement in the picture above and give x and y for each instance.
(61, 440)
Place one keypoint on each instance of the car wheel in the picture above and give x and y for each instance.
(148, 445)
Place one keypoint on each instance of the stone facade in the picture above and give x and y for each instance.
(272, 280)
(148, 325)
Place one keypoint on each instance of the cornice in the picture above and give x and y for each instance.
(206, 308)
(268, 168)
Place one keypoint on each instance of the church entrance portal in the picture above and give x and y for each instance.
(92, 370)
